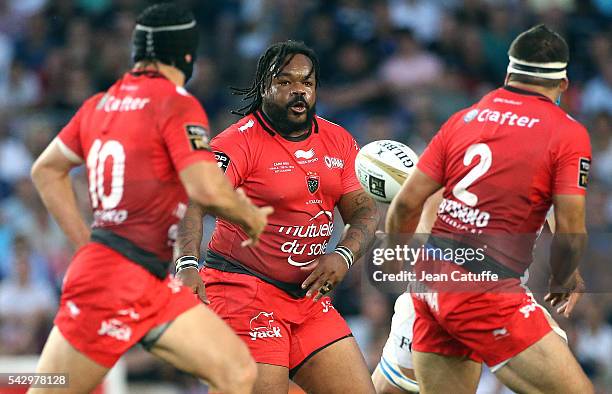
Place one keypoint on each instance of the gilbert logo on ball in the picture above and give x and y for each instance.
(383, 166)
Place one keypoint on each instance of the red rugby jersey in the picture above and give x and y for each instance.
(302, 178)
(501, 161)
(134, 139)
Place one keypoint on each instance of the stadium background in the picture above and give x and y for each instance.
(390, 69)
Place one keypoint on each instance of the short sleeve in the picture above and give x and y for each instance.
(572, 163)
(70, 137)
(185, 132)
(232, 154)
(350, 182)
(432, 160)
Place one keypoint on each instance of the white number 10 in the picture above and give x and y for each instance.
(459, 191)
(98, 153)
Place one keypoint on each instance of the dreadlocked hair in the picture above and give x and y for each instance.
(270, 64)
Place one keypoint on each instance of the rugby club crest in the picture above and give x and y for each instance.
(312, 182)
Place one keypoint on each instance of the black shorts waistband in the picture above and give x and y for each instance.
(222, 263)
(131, 251)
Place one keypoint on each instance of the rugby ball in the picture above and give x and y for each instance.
(383, 166)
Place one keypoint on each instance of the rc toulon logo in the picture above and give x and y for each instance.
(312, 182)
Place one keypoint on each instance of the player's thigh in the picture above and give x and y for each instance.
(58, 356)
(200, 343)
(547, 366)
(443, 374)
(271, 379)
(383, 385)
(338, 368)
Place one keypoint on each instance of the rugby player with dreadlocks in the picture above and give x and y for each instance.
(144, 142)
(275, 295)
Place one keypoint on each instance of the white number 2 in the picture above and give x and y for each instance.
(459, 191)
(98, 153)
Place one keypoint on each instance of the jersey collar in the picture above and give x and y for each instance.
(516, 90)
(266, 124)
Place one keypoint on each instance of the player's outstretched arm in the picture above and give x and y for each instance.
(405, 210)
(429, 213)
(567, 248)
(210, 192)
(51, 176)
(206, 184)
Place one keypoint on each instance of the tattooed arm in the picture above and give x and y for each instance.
(189, 234)
(359, 211)
(188, 241)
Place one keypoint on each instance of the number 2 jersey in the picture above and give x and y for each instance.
(501, 161)
(134, 139)
(302, 178)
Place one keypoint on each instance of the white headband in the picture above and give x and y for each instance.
(552, 70)
(148, 29)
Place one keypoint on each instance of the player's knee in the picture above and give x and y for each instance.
(584, 386)
(247, 374)
(239, 372)
(241, 377)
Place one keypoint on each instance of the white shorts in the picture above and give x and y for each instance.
(398, 349)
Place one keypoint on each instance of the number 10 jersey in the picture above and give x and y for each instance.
(135, 139)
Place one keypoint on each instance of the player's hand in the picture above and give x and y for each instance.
(566, 296)
(258, 224)
(327, 272)
(191, 278)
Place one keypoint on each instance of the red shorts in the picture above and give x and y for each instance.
(489, 327)
(277, 328)
(109, 303)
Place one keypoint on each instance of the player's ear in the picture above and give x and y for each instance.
(506, 80)
(263, 89)
(188, 58)
(564, 84)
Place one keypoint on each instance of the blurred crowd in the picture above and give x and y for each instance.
(390, 69)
